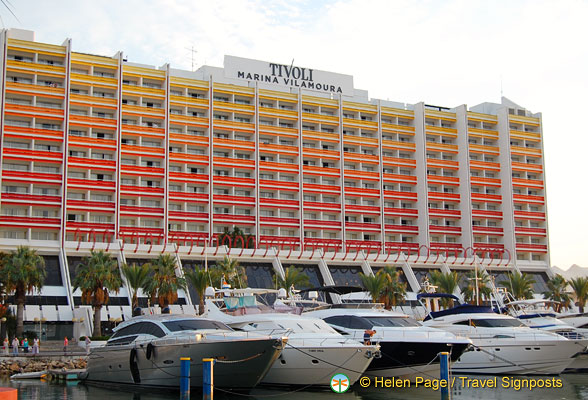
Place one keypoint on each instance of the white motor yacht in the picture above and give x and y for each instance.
(145, 351)
(536, 313)
(314, 352)
(503, 344)
(408, 349)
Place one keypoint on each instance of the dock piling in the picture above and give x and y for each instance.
(207, 378)
(185, 378)
(444, 361)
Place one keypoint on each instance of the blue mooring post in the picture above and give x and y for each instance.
(185, 378)
(207, 378)
(444, 360)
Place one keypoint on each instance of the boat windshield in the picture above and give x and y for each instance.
(194, 325)
(496, 323)
(392, 321)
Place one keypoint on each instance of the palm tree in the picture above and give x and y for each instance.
(481, 279)
(520, 285)
(294, 277)
(234, 235)
(199, 279)
(233, 272)
(374, 284)
(96, 276)
(22, 271)
(580, 288)
(394, 290)
(556, 291)
(137, 277)
(446, 283)
(165, 283)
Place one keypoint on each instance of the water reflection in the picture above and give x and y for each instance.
(575, 387)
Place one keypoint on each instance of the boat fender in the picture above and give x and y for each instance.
(491, 355)
(150, 351)
(133, 366)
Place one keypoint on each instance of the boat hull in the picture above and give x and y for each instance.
(409, 360)
(518, 357)
(240, 363)
(316, 365)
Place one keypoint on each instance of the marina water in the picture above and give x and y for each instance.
(574, 387)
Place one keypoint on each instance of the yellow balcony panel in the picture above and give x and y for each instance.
(482, 133)
(232, 89)
(479, 148)
(313, 117)
(42, 89)
(402, 162)
(277, 112)
(188, 139)
(278, 149)
(439, 130)
(444, 115)
(89, 59)
(99, 81)
(475, 164)
(351, 122)
(141, 91)
(234, 125)
(446, 148)
(231, 107)
(277, 95)
(517, 150)
(363, 158)
(479, 117)
(478, 180)
(83, 99)
(439, 163)
(324, 136)
(142, 110)
(524, 120)
(234, 144)
(52, 70)
(36, 47)
(533, 136)
(277, 130)
(402, 129)
(394, 144)
(360, 107)
(396, 112)
(133, 70)
(189, 83)
(188, 120)
(350, 139)
(319, 101)
(319, 153)
(188, 101)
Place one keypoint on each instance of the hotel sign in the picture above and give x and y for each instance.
(288, 75)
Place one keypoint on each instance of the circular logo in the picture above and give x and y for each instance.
(340, 383)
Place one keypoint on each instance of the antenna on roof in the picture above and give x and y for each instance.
(191, 48)
(501, 86)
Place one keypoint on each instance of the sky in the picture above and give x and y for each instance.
(445, 53)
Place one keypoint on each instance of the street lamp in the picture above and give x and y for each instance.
(40, 321)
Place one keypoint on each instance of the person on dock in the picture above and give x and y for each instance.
(65, 344)
(15, 346)
(6, 346)
(88, 341)
(36, 346)
(25, 345)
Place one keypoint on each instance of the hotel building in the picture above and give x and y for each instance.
(101, 153)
